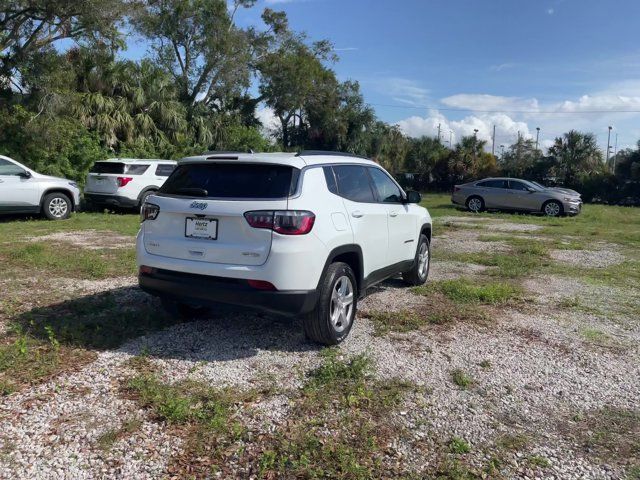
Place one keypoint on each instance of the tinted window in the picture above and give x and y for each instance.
(228, 180)
(107, 167)
(8, 168)
(388, 191)
(353, 183)
(135, 169)
(518, 186)
(164, 170)
(331, 180)
(493, 184)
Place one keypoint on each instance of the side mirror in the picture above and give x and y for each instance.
(25, 174)
(413, 197)
(531, 190)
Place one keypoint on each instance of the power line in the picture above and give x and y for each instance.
(542, 112)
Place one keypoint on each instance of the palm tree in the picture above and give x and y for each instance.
(576, 154)
(463, 163)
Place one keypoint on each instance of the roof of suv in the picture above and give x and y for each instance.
(298, 160)
(137, 160)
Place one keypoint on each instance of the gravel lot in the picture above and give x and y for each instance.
(535, 372)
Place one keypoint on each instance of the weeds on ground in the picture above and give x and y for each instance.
(463, 290)
(461, 379)
(111, 436)
(457, 445)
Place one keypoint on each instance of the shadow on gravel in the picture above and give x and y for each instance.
(120, 317)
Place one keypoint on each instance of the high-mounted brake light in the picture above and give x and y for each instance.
(123, 181)
(285, 222)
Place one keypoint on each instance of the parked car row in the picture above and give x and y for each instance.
(118, 182)
(517, 195)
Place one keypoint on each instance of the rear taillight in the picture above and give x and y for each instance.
(149, 211)
(285, 222)
(123, 181)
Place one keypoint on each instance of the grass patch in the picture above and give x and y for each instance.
(513, 442)
(436, 309)
(538, 461)
(461, 379)
(102, 321)
(466, 291)
(110, 437)
(609, 434)
(458, 446)
(69, 261)
(25, 360)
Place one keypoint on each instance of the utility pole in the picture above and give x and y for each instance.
(493, 145)
(438, 133)
(609, 143)
(537, 137)
(450, 138)
(615, 154)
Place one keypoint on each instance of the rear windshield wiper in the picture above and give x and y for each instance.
(195, 192)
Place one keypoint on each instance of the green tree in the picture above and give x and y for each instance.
(521, 158)
(576, 154)
(28, 27)
(467, 159)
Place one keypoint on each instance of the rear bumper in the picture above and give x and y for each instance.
(203, 289)
(111, 200)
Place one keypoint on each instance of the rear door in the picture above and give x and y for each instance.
(202, 207)
(401, 224)
(369, 220)
(495, 193)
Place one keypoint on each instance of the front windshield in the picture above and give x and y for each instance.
(538, 185)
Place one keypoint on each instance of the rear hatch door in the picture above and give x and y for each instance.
(202, 207)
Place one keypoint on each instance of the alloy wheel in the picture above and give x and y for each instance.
(341, 310)
(58, 207)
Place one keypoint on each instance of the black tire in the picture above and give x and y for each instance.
(471, 204)
(552, 208)
(417, 276)
(318, 325)
(146, 195)
(183, 311)
(56, 206)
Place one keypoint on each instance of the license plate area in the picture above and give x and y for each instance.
(202, 228)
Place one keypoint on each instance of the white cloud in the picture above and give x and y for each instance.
(502, 66)
(618, 105)
(402, 90)
(269, 121)
(346, 49)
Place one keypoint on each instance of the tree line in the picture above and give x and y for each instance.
(68, 97)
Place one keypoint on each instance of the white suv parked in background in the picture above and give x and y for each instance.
(23, 190)
(297, 234)
(125, 182)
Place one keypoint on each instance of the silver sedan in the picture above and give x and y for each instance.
(516, 194)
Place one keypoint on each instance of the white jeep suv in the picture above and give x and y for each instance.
(23, 190)
(125, 182)
(297, 234)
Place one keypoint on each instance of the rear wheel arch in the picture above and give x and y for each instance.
(147, 190)
(351, 255)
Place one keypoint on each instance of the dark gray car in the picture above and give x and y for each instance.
(515, 194)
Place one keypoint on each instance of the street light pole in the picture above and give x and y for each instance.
(450, 138)
(537, 136)
(493, 145)
(609, 143)
(438, 133)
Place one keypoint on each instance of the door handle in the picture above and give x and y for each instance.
(393, 214)
(357, 214)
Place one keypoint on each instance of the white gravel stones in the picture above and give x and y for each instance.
(605, 255)
(89, 239)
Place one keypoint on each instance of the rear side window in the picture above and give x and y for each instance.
(135, 169)
(331, 180)
(119, 168)
(388, 191)
(493, 184)
(164, 170)
(353, 183)
(232, 180)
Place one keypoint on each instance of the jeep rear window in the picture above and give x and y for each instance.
(225, 180)
(118, 168)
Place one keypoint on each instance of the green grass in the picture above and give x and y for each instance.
(472, 292)
(111, 436)
(461, 378)
(458, 446)
(538, 461)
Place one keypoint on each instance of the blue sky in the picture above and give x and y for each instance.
(471, 64)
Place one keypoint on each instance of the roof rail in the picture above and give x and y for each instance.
(309, 153)
(227, 152)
